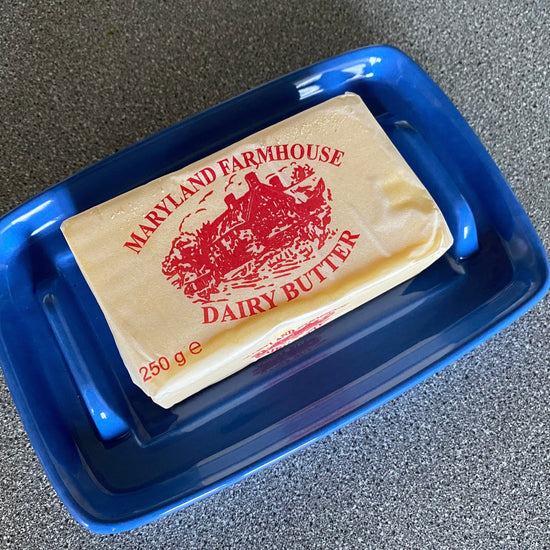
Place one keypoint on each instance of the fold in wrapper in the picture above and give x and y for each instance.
(203, 271)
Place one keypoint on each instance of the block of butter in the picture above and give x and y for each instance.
(205, 270)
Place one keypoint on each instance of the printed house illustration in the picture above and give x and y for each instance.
(269, 230)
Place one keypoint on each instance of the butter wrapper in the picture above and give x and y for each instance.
(205, 270)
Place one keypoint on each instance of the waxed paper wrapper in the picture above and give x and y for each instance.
(205, 270)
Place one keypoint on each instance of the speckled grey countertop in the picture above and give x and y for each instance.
(462, 460)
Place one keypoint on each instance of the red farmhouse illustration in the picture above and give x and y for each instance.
(266, 233)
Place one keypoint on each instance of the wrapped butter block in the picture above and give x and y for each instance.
(205, 270)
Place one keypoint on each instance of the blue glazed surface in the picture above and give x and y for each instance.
(116, 459)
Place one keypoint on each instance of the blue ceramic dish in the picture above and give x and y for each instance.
(119, 461)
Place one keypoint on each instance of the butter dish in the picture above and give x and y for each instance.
(118, 460)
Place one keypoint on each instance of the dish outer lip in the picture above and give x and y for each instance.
(38, 441)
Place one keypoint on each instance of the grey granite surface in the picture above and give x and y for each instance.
(460, 461)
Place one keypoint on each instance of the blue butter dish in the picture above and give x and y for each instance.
(115, 458)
